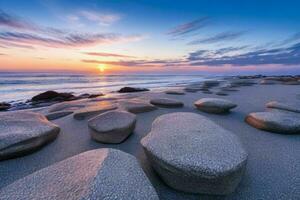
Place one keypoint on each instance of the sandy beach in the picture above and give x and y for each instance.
(273, 167)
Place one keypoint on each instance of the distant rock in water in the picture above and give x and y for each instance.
(53, 96)
(4, 106)
(107, 174)
(132, 89)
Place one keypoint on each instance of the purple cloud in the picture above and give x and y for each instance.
(221, 37)
(102, 54)
(184, 29)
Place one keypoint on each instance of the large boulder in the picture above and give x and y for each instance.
(112, 126)
(277, 122)
(97, 174)
(52, 95)
(193, 154)
(24, 132)
(99, 108)
(165, 102)
(214, 105)
(132, 89)
(282, 106)
(136, 106)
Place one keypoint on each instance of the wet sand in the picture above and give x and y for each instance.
(273, 168)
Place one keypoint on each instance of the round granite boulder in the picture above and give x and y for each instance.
(193, 154)
(282, 106)
(24, 132)
(165, 102)
(277, 122)
(98, 108)
(135, 106)
(214, 105)
(112, 126)
(97, 174)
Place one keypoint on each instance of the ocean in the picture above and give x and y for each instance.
(18, 87)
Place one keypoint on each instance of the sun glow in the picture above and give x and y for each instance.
(102, 67)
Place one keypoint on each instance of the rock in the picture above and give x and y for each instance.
(135, 106)
(58, 114)
(164, 102)
(192, 89)
(221, 93)
(174, 92)
(268, 82)
(88, 111)
(242, 82)
(112, 126)
(107, 174)
(52, 95)
(214, 105)
(91, 96)
(132, 89)
(66, 106)
(282, 106)
(277, 122)
(4, 106)
(193, 154)
(24, 132)
(211, 83)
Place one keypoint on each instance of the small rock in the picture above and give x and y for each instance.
(132, 89)
(24, 132)
(221, 93)
(4, 106)
(107, 174)
(174, 92)
(164, 102)
(58, 114)
(101, 107)
(282, 106)
(112, 126)
(192, 89)
(193, 154)
(277, 122)
(135, 106)
(214, 105)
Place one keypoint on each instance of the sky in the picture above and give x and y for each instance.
(147, 36)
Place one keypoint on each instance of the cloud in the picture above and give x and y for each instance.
(102, 19)
(138, 63)
(281, 56)
(23, 34)
(10, 21)
(221, 37)
(184, 29)
(102, 54)
(70, 40)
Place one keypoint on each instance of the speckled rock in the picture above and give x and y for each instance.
(214, 105)
(135, 106)
(69, 106)
(58, 114)
(193, 154)
(112, 126)
(99, 108)
(277, 122)
(165, 102)
(174, 92)
(24, 132)
(282, 106)
(97, 174)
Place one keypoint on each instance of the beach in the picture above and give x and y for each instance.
(272, 169)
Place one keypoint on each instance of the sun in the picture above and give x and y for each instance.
(101, 67)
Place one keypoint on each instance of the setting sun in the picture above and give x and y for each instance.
(101, 67)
